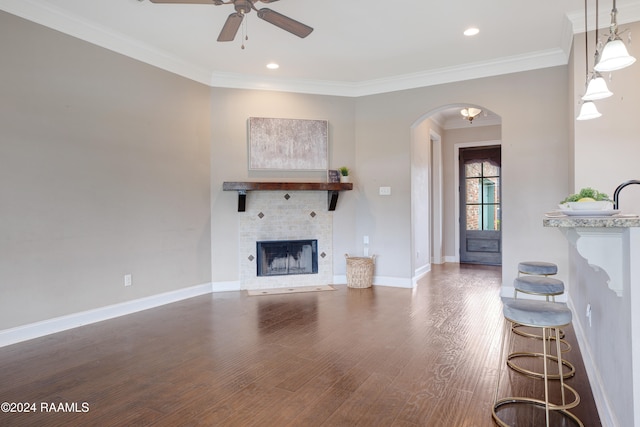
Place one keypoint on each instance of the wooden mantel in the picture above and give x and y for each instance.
(332, 189)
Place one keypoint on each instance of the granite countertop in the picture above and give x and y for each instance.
(615, 221)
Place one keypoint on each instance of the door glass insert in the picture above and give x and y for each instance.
(482, 186)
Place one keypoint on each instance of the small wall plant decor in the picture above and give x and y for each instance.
(344, 173)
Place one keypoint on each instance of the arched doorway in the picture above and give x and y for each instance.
(437, 138)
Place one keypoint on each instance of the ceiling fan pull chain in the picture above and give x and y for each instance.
(244, 30)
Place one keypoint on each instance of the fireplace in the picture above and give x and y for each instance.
(287, 257)
(278, 216)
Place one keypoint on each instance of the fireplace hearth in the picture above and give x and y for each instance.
(287, 257)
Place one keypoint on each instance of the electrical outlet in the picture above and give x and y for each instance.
(365, 240)
(127, 280)
(385, 191)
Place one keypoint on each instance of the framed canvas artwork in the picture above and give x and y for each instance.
(288, 144)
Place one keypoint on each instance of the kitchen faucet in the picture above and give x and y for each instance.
(616, 193)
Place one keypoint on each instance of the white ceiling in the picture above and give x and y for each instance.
(358, 47)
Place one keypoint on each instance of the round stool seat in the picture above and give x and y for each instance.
(538, 285)
(538, 268)
(539, 314)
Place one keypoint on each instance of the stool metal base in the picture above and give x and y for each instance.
(533, 374)
(520, 400)
(549, 317)
(515, 329)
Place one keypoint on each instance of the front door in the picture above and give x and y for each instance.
(480, 234)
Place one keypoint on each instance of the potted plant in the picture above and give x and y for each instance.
(344, 174)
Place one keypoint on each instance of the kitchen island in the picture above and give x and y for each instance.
(604, 294)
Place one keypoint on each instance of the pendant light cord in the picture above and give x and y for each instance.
(586, 43)
(597, 12)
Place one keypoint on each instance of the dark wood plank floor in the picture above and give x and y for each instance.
(351, 357)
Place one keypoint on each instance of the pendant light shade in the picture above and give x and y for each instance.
(597, 89)
(614, 56)
(588, 111)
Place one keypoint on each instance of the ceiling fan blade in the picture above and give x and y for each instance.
(230, 28)
(185, 1)
(284, 22)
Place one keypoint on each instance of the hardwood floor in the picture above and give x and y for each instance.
(351, 357)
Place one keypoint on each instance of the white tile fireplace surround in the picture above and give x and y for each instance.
(285, 215)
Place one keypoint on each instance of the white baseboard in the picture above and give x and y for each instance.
(607, 416)
(340, 280)
(394, 282)
(451, 259)
(420, 273)
(59, 324)
(225, 286)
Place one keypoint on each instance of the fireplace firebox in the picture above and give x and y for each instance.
(287, 257)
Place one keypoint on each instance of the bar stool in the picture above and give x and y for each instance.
(543, 286)
(537, 282)
(538, 268)
(547, 287)
(549, 317)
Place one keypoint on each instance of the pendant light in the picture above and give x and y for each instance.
(588, 109)
(597, 87)
(614, 55)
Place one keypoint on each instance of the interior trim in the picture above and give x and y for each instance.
(63, 323)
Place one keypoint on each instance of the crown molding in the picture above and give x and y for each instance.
(626, 14)
(108, 39)
(103, 37)
(514, 64)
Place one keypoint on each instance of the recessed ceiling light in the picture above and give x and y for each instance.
(272, 66)
(472, 31)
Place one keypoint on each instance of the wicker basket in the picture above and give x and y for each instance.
(359, 271)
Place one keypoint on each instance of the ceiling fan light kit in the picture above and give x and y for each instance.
(242, 7)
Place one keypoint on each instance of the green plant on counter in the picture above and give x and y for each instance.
(587, 193)
(344, 171)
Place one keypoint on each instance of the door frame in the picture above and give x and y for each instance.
(436, 197)
(456, 186)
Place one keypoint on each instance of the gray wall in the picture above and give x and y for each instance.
(534, 158)
(104, 171)
(373, 135)
(231, 109)
(606, 153)
(147, 135)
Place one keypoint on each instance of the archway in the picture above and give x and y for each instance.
(436, 139)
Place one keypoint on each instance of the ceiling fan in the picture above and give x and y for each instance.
(230, 28)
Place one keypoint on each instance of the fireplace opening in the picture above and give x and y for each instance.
(286, 257)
